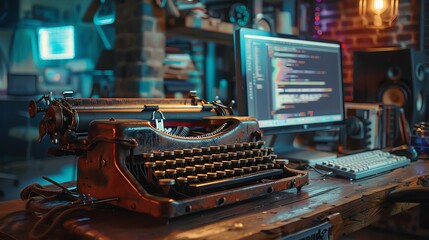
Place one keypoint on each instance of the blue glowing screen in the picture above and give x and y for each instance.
(56, 43)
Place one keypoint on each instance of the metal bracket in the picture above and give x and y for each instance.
(159, 122)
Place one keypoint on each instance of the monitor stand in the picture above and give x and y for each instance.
(284, 148)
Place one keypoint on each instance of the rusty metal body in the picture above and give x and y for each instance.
(103, 173)
(111, 136)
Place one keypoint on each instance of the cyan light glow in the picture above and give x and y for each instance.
(56, 43)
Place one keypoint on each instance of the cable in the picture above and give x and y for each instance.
(41, 200)
(61, 213)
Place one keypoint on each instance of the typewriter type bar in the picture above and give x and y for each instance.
(168, 176)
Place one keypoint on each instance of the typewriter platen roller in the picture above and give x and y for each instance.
(164, 157)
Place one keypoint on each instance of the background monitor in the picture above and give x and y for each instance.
(289, 83)
(56, 43)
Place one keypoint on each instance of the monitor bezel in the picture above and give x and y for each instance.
(241, 78)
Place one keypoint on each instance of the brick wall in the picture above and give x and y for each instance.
(139, 49)
(340, 20)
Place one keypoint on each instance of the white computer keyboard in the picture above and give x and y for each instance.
(364, 164)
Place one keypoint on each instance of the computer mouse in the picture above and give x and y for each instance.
(407, 151)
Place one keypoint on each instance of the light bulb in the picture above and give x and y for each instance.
(379, 6)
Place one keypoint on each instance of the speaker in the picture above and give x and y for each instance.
(393, 77)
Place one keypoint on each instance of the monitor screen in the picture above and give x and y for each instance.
(56, 43)
(289, 83)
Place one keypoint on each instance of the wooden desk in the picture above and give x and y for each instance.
(358, 203)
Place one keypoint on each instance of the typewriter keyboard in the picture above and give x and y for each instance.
(185, 173)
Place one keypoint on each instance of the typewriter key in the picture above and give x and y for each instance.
(238, 146)
(197, 151)
(247, 170)
(256, 152)
(259, 144)
(171, 163)
(180, 162)
(220, 174)
(170, 173)
(202, 177)
(238, 171)
(192, 179)
(263, 166)
(232, 155)
(254, 168)
(243, 162)
(235, 163)
(159, 156)
(148, 157)
(251, 161)
(190, 170)
(169, 155)
(207, 159)
(182, 182)
(226, 164)
(270, 165)
(216, 158)
(229, 172)
(270, 150)
(166, 184)
(248, 153)
(230, 147)
(180, 171)
(223, 148)
(209, 167)
(187, 152)
(150, 166)
(198, 160)
(281, 163)
(266, 159)
(199, 168)
(160, 165)
(212, 176)
(189, 161)
(205, 150)
(218, 166)
(215, 149)
(159, 174)
(178, 153)
(246, 146)
(241, 154)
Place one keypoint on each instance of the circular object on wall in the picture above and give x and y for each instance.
(239, 14)
(394, 95)
(394, 73)
(420, 72)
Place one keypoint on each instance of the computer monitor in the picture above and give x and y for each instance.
(56, 43)
(289, 84)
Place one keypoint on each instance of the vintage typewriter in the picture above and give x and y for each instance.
(163, 157)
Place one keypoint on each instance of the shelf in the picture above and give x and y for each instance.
(206, 29)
